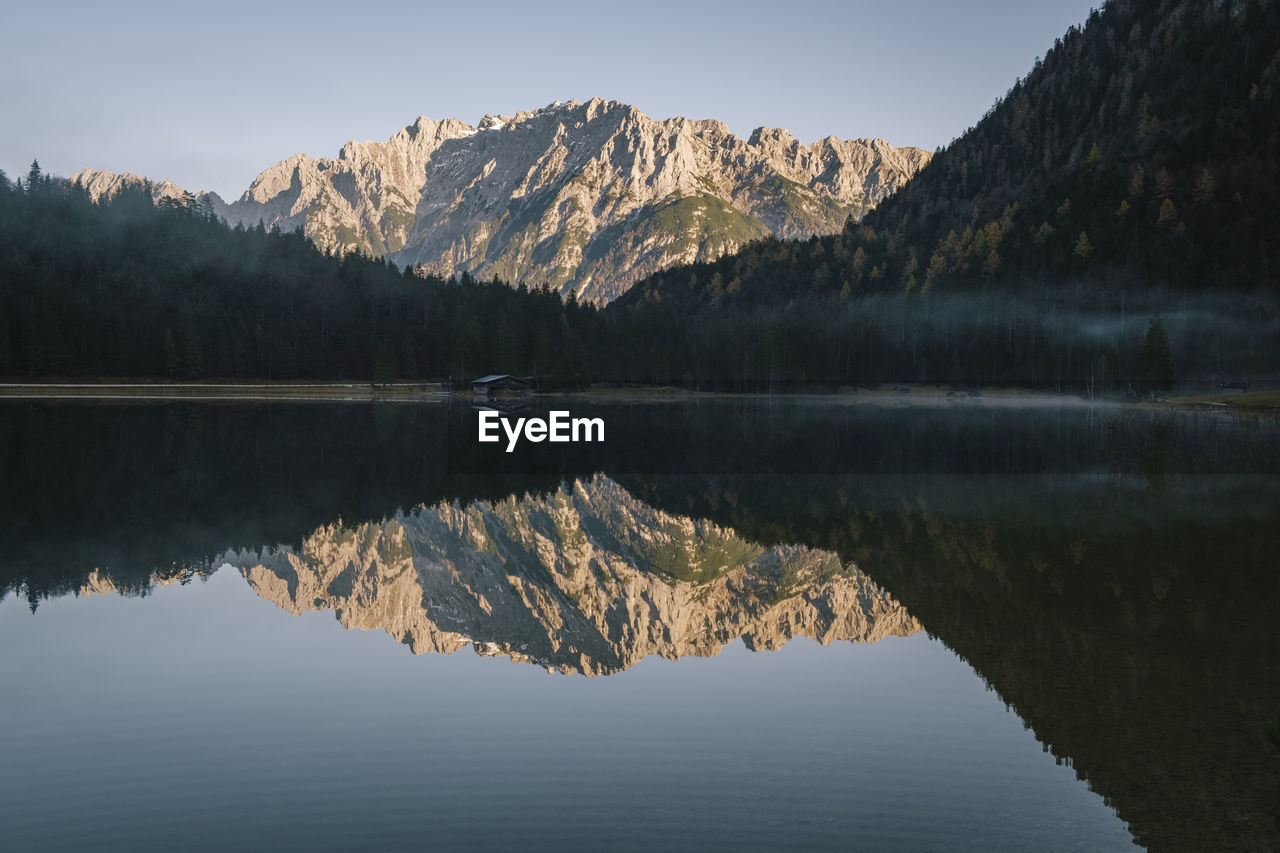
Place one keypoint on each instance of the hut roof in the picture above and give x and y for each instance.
(498, 377)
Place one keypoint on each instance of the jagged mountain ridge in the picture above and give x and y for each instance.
(587, 579)
(585, 197)
(99, 183)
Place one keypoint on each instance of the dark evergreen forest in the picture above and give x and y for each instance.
(126, 288)
(1131, 174)
(1109, 225)
(1141, 152)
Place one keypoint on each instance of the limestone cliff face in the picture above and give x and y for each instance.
(585, 197)
(589, 198)
(99, 183)
(364, 199)
(586, 579)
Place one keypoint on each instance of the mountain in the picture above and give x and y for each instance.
(363, 200)
(585, 197)
(1142, 152)
(98, 183)
(585, 579)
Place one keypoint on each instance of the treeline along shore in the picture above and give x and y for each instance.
(126, 289)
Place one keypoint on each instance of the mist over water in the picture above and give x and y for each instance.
(1212, 335)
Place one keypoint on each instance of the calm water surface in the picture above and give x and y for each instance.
(739, 624)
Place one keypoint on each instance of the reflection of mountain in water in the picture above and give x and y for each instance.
(1122, 600)
(585, 579)
(1131, 627)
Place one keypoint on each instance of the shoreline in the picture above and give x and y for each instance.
(435, 392)
(1245, 402)
(218, 391)
(1255, 402)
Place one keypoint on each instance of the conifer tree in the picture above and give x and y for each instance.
(1137, 183)
(1205, 188)
(1157, 358)
(1083, 248)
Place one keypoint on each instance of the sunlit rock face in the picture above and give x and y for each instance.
(586, 198)
(586, 579)
(99, 184)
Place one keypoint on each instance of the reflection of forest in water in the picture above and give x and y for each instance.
(1115, 584)
(1134, 632)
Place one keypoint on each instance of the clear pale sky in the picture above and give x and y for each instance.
(210, 94)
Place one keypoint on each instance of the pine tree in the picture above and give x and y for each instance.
(1157, 358)
(937, 267)
(1164, 184)
(1083, 248)
(192, 354)
(1205, 188)
(6, 350)
(715, 288)
(1145, 119)
(1138, 183)
(171, 360)
(384, 366)
(992, 264)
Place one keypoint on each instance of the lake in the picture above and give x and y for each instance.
(737, 623)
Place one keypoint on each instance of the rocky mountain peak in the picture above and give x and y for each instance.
(99, 183)
(584, 197)
(772, 137)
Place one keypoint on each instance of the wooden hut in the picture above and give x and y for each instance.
(500, 386)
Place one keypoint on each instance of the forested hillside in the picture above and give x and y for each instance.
(1123, 194)
(126, 288)
(1141, 152)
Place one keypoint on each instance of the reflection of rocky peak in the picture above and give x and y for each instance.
(586, 579)
(98, 582)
